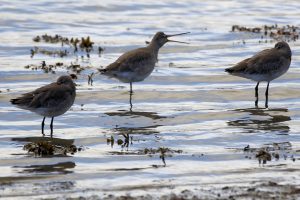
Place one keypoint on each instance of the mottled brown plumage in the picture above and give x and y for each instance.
(49, 101)
(266, 65)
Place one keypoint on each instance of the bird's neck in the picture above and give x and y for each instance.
(72, 86)
(289, 54)
(154, 47)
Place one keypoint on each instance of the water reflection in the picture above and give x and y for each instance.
(54, 141)
(125, 135)
(58, 168)
(130, 100)
(271, 151)
(147, 130)
(121, 113)
(262, 119)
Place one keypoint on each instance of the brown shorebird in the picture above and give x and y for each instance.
(266, 65)
(138, 64)
(49, 101)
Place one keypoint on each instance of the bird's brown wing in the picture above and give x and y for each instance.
(264, 62)
(52, 96)
(261, 63)
(238, 68)
(26, 99)
(132, 60)
(46, 96)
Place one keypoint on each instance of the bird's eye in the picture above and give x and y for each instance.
(279, 46)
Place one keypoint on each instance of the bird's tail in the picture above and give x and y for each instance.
(17, 102)
(22, 101)
(229, 70)
(102, 71)
(14, 101)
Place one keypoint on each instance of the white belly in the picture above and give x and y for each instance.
(54, 111)
(134, 76)
(264, 77)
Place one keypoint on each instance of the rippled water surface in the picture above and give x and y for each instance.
(189, 104)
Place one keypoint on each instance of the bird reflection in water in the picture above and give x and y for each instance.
(122, 113)
(263, 119)
(123, 142)
(125, 138)
(126, 135)
(57, 141)
(136, 118)
(58, 168)
(130, 101)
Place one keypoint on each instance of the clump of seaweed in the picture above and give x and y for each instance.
(51, 39)
(274, 32)
(75, 68)
(245, 29)
(55, 53)
(50, 68)
(43, 66)
(163, 151)
(263, 156)
(42, 148)
(123, 142)
(47, 148)
(84, 44)
(269, 152)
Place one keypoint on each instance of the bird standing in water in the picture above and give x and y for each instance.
(266, 65)
(138, 64)
(49, 101)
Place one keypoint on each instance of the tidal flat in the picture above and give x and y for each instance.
(193, 131)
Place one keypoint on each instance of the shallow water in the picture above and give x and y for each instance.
(191, 105)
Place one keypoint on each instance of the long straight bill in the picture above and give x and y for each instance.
(177, 35)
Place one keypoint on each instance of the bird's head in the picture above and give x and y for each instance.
(66, 80)
(160, 38)
(284, 48)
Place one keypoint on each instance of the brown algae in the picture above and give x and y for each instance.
(275, 32)
(49, 148)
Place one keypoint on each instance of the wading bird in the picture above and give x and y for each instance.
(266, 65)
(138, 64)
(49, 101)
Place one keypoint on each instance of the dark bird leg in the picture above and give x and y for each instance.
(131, 88)
(51, 126)
(130, 101)
(256, 94)
(43, 124)
(267, 95)
(130, 96)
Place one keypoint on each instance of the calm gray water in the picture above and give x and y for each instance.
(190, 105)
